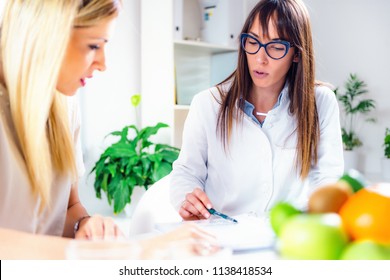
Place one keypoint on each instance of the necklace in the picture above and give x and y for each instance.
(261, 114)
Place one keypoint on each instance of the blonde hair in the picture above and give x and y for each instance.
(34, 38)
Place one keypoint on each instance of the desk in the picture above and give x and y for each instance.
(264, 254)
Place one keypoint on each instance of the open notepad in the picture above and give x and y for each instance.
(249, 233)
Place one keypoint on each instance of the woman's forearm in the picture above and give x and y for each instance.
(20, 245)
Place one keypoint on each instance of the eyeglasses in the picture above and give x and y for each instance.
(274, 49)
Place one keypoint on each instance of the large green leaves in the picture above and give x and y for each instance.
(132, 162)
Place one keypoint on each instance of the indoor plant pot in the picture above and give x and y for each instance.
(351, 160)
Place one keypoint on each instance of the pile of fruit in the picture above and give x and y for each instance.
(345, 220)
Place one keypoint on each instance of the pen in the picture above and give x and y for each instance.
(212, 211)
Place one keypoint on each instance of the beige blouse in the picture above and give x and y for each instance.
(19, 208)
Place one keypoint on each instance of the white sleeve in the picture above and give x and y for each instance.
(330, 164)
(190, 169)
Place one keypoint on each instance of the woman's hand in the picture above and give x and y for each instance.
(195, 206)
(98, 228)
(186, 241)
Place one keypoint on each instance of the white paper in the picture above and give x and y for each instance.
(249, 233)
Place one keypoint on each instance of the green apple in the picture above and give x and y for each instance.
(366, 250)
(313, 237)
(280, 213)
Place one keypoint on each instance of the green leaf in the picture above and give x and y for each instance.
(163, 169)
(138, 171)
(112, 186)
(146, 163)
(166, 147)
(104, 182)
(134, 160)
(111, 168)
(97, 185)
(120, 150)
(99, 166)
(364, 106)
(114, 133)
(169, 155)
(121, 196)
(131, 181)
(350, 140)
(148, 131)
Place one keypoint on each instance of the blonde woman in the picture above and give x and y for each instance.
(48, 50)
(267, 133)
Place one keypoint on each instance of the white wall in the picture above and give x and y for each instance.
(157, 56)
(352, 36)
(105, 101)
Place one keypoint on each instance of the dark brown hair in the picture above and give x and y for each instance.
(293, 24)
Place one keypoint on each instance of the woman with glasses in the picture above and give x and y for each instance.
(267, 133)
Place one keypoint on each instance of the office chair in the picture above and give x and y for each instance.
(154, 207)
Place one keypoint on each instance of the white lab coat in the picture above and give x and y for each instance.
(259, 168)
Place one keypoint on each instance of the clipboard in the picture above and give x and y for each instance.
(250, 233)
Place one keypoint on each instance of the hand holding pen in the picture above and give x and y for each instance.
(195, 206)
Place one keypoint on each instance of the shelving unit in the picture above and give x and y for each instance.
(199, 65)
(173, 70)
(202, 47)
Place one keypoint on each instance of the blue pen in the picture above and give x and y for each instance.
(212, 211)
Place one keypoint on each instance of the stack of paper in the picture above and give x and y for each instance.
(250, 233)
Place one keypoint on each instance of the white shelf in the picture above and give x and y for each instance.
(199, 46)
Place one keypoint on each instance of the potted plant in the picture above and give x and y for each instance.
(134, 161)
(386, 160)
(354, 106)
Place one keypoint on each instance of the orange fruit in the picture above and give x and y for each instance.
(366, 214)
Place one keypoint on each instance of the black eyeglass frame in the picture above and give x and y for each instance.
(244, 36)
